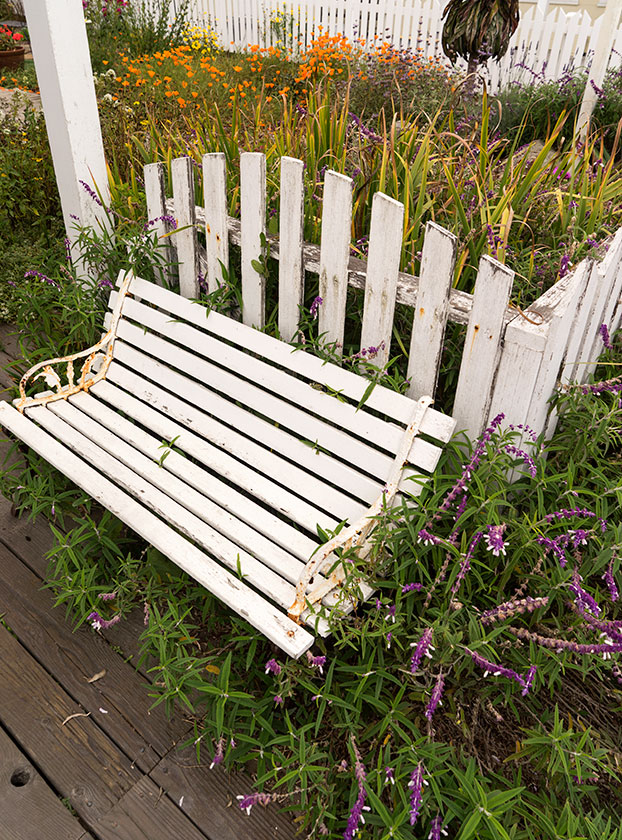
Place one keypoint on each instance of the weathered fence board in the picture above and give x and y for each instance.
(182, 174)
(431, 312)
(216, 215)
(253, 222)
(334, 256)
(291, 269)
(383, 265)
(481, 346)
(155, 194)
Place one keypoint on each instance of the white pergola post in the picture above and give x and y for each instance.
(61, 54)
(609, 21)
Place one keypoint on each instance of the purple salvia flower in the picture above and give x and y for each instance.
(422, 648)
(583, 599)
(93, 194)
(247, 802)
(389, 638)
(356, 814)
(564, 265)
(316, 661)
(606, 648)
(425, 537)
(531, 673)
(525, 456)
(416, 792)
(171, 221)
(497, 670)
(278, 700)
(147, 614)
(219, 755)
(436, 828)
(494, 539)
(411, 587)
(604, 334)
(511, 608)
(99, 623)
(610, 581)
(390, 614)
(44, 277)
(317, 302)
(389, 776)
(107, 596)
(435, 698)
(273, 667)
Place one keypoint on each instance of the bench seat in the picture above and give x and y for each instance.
(226, 449)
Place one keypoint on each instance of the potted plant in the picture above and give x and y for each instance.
(11, 49)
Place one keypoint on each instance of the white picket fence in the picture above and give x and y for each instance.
(547, 43)
(511, 361)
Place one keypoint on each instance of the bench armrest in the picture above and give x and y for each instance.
(86, 378)
(355, 536)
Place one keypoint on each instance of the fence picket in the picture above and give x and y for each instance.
(562, 313)
(438, 260)
(182, 173)
(216, 217)
(291, 223)
(609, 293)
(155, 194)
(253, 224)
(334, 256)
(481, 346)
(383, 265)
(570, 369)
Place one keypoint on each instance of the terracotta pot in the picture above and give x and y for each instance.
(12, 58)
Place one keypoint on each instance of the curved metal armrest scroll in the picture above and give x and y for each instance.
(86, 378)
(355, 536)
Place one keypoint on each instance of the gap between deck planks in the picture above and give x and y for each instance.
(46, 647)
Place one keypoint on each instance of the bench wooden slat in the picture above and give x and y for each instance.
(344, 476)
(382, 399)
(267, 389)
(298, 420)
(221, 429)
(224, 549)
(248, 538)
(179, 418)
(263, 615)
(207, 484)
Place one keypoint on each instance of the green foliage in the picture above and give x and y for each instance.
(478, 29)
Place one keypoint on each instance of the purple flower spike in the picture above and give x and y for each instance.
(416, 792)
(435, 698)
(219, 755)
(422, 648)
(99, 623)
(494, 539)
(247, 802)
(356, 814)
(317, 302)
(107, 596)
(604, 334)
(412, 587)
(436, 828)
(499, 671)
(273, 667)
(316, 661)
(610, 581)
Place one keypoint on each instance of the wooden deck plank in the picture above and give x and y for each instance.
(74, 657)
(29, 809)
(145, 813)
(81, 762)
(209, 799)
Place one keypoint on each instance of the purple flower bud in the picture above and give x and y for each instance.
(435, 698)
(604, 334)
(273, 667)
(99, 623)
(416, 792)
(422, 648)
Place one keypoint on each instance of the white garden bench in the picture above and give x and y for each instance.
(274, 446)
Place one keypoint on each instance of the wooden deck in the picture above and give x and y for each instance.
(84, 760)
